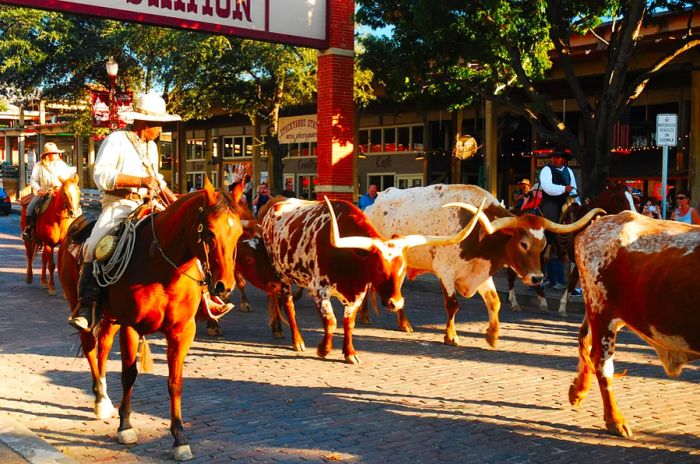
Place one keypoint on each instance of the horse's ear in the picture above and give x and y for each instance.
(75, 178)
(211, 192)
(237, 192)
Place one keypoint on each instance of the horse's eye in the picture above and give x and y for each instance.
(524, 245)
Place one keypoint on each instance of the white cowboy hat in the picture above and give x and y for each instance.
(149, 107)
(50, 148)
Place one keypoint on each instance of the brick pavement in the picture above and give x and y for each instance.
(249, 398)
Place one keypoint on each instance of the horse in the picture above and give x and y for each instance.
(612, 200)
(177, 253)
(50, 228)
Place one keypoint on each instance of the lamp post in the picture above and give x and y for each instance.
(112, 70)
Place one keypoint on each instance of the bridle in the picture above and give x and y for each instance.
(203, 238)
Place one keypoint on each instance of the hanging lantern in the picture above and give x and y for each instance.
(465, 147)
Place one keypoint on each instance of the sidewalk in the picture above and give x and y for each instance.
(19, 445)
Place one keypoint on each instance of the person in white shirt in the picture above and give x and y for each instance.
(126, 170)
(48, 174)
(557, 183)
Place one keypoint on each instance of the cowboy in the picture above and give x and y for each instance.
(557, 183)
(48, 174)
(125, 171)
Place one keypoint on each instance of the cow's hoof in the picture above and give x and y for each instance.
(211, 331)
(406, 328)
(245, 308)
(620, 429)
(278, 334)
(104, 409)
(182, 453)
(28, 280)
(353, 359)
(322, 352)
(127, 437)
(452, 341)
(492, 338)
(301, 347)
(575, 396)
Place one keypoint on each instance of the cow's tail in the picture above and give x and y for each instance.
(146, 357)
(584, 344)
(274, 311)
(373, 301)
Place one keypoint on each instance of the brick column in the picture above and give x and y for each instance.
(335, 106)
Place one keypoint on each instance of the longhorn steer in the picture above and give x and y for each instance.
(642, 273)
(467, 267)
(304, 243)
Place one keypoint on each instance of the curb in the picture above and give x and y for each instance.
(28, 445)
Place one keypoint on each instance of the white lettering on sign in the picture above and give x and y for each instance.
(666, 130)
(294, 22)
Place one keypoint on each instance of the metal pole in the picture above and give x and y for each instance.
(664, 181)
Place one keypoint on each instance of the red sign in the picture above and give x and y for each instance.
(293, 22)
(100, 107)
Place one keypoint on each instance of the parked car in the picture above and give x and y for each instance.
(5, 202)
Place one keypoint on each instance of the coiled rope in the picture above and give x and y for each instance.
(110, 272)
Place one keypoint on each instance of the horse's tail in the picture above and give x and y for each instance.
(145, 355)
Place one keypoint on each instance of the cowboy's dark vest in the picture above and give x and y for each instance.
(562, 177)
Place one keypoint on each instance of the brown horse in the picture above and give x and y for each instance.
(50, 228)
(177, 252)
(612, 200)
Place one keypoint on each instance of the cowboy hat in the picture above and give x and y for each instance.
(149, 107)
(562, 153)
(524, 181)
(50, 148)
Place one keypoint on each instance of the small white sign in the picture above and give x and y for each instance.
(666, 130)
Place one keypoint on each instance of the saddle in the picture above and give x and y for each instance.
(43, 204)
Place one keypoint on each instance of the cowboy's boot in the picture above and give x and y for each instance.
(84, 315)
(28, 229)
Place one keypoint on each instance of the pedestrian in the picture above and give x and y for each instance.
(261, 198)
(125, 171)
(558, 185)
(289, 189)
(521, 194)
(47, 175)
(685, 212)
(368, 198)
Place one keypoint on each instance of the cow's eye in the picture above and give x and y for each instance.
(524, 245)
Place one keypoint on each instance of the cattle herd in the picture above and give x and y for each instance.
(635, 271)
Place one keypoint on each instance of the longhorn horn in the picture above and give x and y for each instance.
(573, 227)
(441, 240)
(363, 243)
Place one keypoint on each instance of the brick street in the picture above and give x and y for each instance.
(250, 398)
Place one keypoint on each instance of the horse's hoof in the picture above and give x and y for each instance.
(52, 291)
(516, 308)
(28, 280)
(127, 437)
(245, 308)
(104, 409)
(182, 453)
(364, 320)
(354, 359)
(44, 285)
(211, 332)
(302, 347)
(562, 313)
(277, 334)
(492, 338)
(408, 328)
(451, 341)
(620, 429)
(219, 332)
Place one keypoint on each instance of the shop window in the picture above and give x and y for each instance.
(306, 186)
(390, 139)
(195, 149)
(404, 181)
(382, 181)
(238, 146)
(195, 180)
(417, 142)
(364, 141)
(375, 140)
(404, 138)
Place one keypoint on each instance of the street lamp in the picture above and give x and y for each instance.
(112, 70)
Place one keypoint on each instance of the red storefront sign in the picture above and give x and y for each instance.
(123, 101)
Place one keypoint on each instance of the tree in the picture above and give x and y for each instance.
(501, 50)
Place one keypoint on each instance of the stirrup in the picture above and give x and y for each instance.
(81, 321)
(27, 234)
